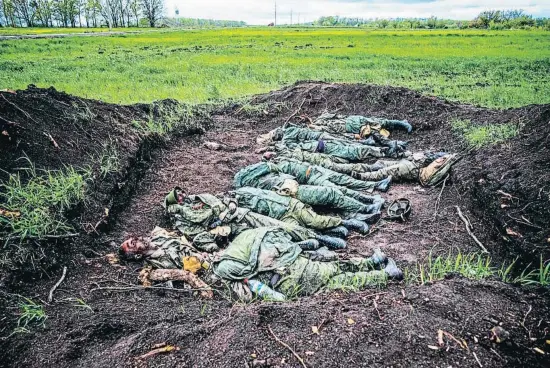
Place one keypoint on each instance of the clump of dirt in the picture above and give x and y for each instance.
(397, 326)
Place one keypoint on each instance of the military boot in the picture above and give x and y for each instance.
(397, 124)
(309, 244)
(331, 242)
(339, 231)
(392, 270)
(375, 207)
(368, 142)
(383, 185)
(359, 226)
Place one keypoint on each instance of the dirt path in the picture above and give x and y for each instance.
(397, 326)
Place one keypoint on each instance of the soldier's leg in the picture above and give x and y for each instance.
(349, 182)
(357, 280)
(308, 218)
(363, 198)
(399, 171)
(330, 197)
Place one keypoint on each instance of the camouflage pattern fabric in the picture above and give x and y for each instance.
(170, 251)
(333, 123)
(306, 277)
(316, 175)
(286, 209)
(350, 151)
(256, 251)
(403, 170)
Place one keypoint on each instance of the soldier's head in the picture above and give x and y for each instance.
(430, 157)
(176, 196)
(135, 248)
(270, 137)
(268, 156)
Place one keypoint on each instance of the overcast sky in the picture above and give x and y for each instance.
(261, 11)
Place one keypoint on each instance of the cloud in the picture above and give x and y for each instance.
(262, 11)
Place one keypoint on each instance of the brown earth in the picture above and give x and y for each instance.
(392, 327)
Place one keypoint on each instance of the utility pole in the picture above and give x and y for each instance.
(290, 16)
(275, 13)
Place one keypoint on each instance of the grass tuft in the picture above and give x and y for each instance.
(30, 313)
(163, 120)
(481, 135)
(36, 207)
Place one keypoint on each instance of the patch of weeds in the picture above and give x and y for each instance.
(163, 120)
(109, 160)
(36, 207)
(30, 314)
(529, 276)
(254, 109)
(481, 135)
(473, 266)
(82, 304)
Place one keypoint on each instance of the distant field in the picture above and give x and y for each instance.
(490, 68)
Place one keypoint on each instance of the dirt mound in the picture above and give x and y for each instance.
(510, 185)
(46, 130)
(394, 327)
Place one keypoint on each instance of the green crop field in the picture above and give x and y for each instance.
(490, 68)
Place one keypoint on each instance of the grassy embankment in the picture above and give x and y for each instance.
(496, 69)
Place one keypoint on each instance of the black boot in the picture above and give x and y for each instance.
(309, 244)
(369, 218)
(397, 124)
(375, 207)
(331, 242)
(368, 142)
(339, 232)
(359, 226)
(392, 270)
(383, 185)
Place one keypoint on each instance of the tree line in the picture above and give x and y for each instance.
(492, 19)
(80, 13)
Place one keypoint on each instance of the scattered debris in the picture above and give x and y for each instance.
(147, 275)
(52, 290)
(213, 146)
(159, 350)
(112, 258)
(288, 347)
(467, 223)
(499, 334)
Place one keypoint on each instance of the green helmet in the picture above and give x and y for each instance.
(400, 209)
(172, 197)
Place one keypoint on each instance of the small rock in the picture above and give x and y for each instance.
(499, 334)
(212, 146)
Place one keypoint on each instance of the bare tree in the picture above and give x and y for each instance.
(152, 10)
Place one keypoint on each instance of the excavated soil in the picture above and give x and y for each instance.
(397, 326)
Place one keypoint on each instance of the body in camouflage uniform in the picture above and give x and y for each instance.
(354, 152)
(313, 195)
(286, 209)
(317, 175)
(333, 123)
(428, 169)
(263, 252)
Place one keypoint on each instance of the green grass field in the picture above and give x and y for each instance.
(490, 68)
